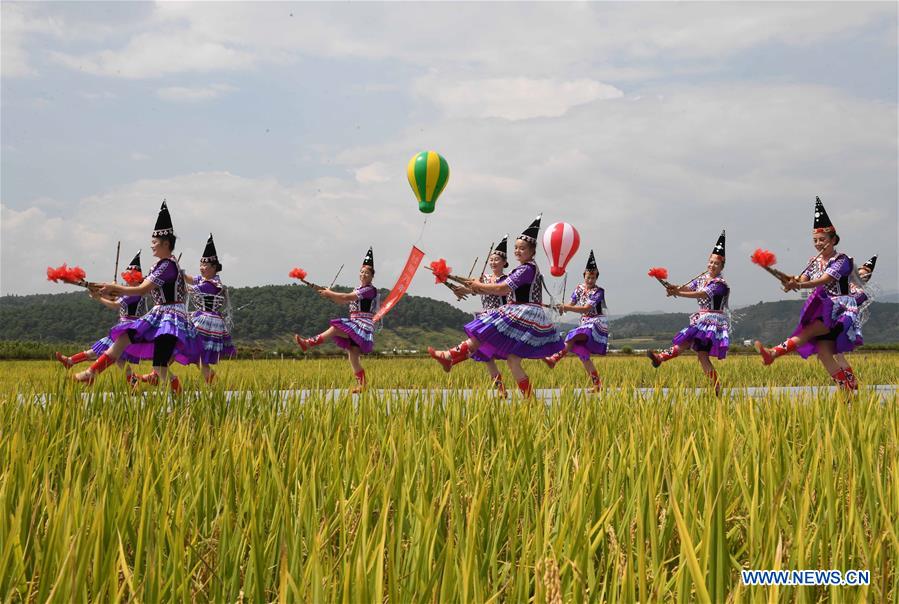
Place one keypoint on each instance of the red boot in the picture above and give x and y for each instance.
(175, 384)
(500, 387)
(525, 387)
(551, 361)
(716, 384)
(661, 356)
(841, 380)
(360, 382)
(769, 354)
(445, 362)
(597, 382)
(307, 343)
(851, 380)
(69, 362)
(456, 355)
(98, 367)
(134, 380)
(151, 378)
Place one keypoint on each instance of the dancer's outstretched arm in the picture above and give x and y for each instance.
(684, 291)
(808, 284)
(116, 289)
(113, 304)
(338, 296)
(572, 308)
(490, 289)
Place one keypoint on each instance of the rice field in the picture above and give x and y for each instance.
(613, 497)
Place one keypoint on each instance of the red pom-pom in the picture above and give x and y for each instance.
(297, 273)
(764, 258)
(67, 274)
(659, 272)
(441, 270)
(132, 277)
(75, 274)
(56, 274)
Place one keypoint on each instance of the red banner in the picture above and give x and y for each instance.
(402, 284)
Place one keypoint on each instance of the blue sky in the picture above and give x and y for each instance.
(285, 129)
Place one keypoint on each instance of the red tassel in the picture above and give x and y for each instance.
(765, 258)
(659, 272)
(297, 273)
(441, 270)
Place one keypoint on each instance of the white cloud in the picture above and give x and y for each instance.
(159, 53)
(18, 23)
(512, 98)
(646, 181)
(531, 40)
(373, 173)
(255, 222)
(183, 94)
(525, 116)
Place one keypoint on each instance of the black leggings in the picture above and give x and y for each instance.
(163, 347)
(702, 346)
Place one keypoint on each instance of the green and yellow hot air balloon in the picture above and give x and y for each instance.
(428, 174)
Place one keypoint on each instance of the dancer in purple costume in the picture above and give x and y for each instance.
(129, 307)
(210, 298)
(517, 330)
(709, 331)
(356, 333)
(489, 302)
(829, 322)
(165, 332)
(592, 335)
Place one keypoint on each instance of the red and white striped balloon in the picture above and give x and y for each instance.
(560, 242)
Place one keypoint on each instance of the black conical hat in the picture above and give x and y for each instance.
(369, 259)
(822, 222)
(502, 246)
(163, 222)
(591, 264)
(530, 233)
(135, 262)
(871, 263)
(718, 250)
(209, 254)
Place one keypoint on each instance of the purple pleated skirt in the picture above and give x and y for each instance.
(839, 314)
(709, 331)
(591, 337)
(358, 330)
(522, 330)
(214, 339)
(162, 319)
